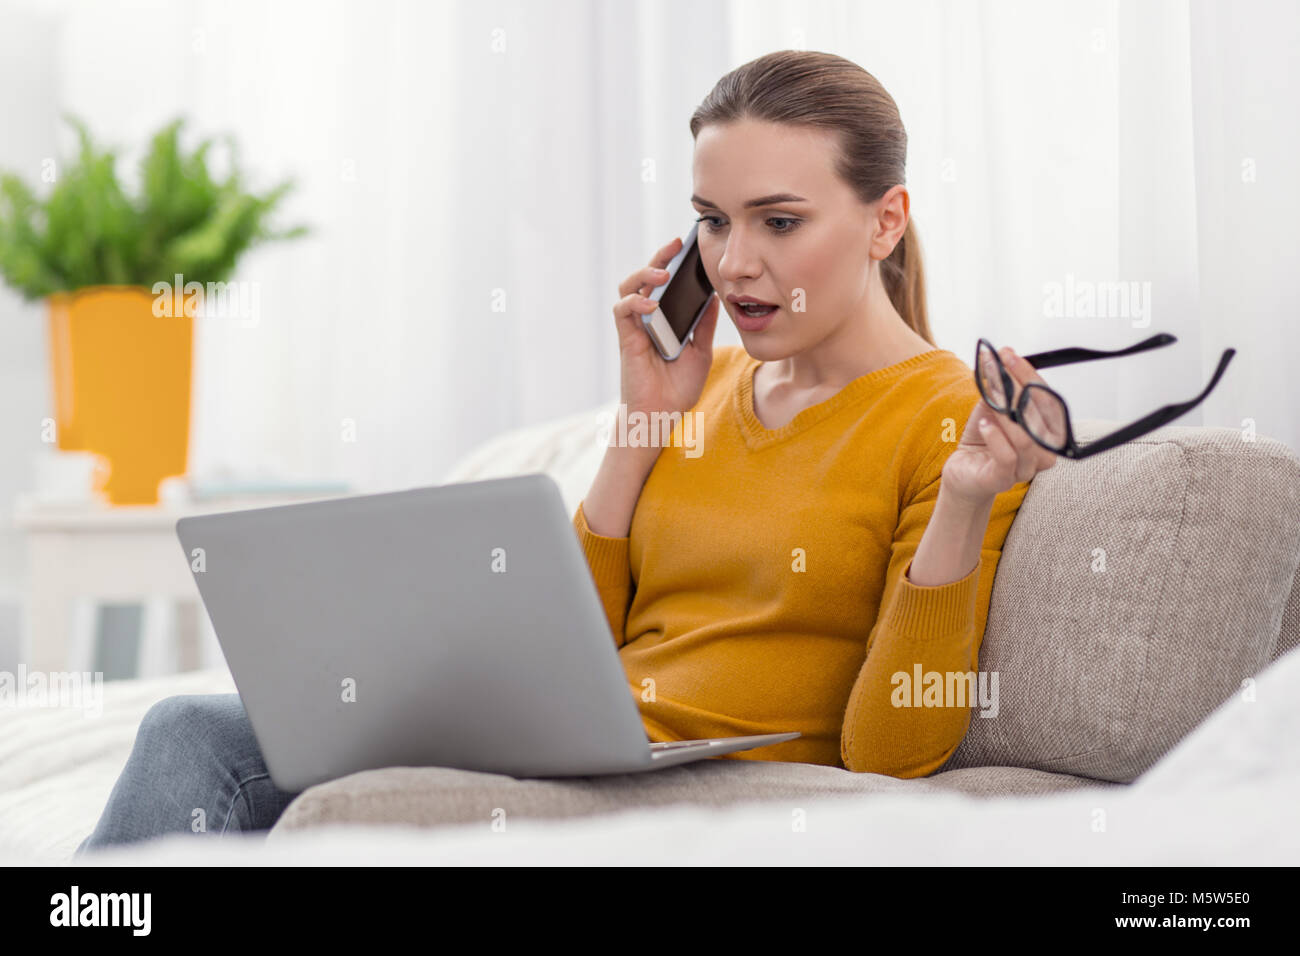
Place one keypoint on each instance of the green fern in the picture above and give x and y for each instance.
(88, 231)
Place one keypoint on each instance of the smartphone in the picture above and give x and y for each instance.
(682, 300)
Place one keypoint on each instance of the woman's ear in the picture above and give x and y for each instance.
(889, 221)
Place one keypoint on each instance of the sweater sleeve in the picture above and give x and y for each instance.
(611, 569)
(939, 628)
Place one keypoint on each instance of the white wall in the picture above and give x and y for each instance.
(29, 98)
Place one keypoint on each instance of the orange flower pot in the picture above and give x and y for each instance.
(121, 379)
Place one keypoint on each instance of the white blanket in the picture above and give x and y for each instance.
(1226, 796)
(58, 765)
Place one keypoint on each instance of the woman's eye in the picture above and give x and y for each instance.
(793, 224)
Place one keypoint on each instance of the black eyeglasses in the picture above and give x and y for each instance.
(1042, 413)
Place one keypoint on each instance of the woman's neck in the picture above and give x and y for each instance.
(857, 347)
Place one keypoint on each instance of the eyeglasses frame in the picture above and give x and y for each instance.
(1069, 356)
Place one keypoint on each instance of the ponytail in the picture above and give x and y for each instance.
(904, 278)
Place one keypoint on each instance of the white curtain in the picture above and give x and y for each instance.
(480, 175)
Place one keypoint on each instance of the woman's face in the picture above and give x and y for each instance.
(808, 251)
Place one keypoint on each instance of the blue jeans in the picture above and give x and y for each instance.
(195, 768)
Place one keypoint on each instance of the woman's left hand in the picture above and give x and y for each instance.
(987, 462)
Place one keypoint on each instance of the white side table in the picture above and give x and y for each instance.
(80, 553)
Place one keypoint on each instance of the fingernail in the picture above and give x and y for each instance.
(661, 272)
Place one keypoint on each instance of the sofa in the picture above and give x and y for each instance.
(1142, 623)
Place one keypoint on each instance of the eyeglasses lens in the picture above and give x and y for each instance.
(990, 380)
(1044, 418)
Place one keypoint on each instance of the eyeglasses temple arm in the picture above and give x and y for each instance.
(1070, 356)
(1160, 416)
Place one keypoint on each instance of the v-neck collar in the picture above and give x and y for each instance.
(757, 435)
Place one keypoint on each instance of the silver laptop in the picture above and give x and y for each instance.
(453, 626)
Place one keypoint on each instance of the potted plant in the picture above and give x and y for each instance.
(124, 276)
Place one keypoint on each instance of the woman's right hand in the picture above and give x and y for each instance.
(650, 383)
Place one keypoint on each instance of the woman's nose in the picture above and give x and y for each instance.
(735, 262)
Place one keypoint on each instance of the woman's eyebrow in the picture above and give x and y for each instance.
(773, 200)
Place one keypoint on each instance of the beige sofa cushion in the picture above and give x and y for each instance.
(439, 796)
(1288, 639)
(1101, 672)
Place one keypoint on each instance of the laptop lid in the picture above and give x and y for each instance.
(456, 625)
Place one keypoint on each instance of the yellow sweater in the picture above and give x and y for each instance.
(762, 587)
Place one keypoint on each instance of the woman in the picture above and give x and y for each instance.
(835, 541)
(834, 534)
